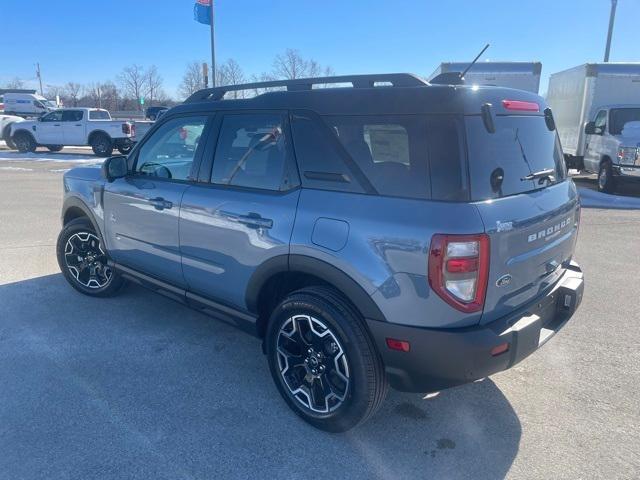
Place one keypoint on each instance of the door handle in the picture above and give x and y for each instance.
(56, 124)
(78, 124)
(160, 203)
(255, 220)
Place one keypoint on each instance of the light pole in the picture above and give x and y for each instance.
(213, 50)
(612, 17)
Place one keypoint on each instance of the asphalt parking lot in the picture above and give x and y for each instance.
(138, 386)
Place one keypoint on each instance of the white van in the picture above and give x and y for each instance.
(26, 104)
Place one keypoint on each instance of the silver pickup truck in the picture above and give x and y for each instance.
(75, 126)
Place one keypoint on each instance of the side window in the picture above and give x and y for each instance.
(391, 151)
(321, 165)
(253, 152)
(601, 121)
(71, 115)
(53, 116)
(170, 150)
(447, 160)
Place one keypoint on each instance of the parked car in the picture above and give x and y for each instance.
(26, 103)
(597, 109)
(520, 75)
(5, 128)
(413, 235)
(75, 126)
(152, 113)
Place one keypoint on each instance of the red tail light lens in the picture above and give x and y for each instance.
(521, 105)
(459, 270)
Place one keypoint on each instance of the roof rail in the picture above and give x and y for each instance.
(358, 81)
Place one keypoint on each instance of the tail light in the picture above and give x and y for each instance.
(459, 270)
(126, 128)
(520, 105)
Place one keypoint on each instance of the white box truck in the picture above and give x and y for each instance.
(596, 107)
(25, 103)
(520, 75)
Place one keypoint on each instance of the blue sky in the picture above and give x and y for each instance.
(86, 41)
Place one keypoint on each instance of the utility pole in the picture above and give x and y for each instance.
(213, 50)
(612, 17)
(39, 77)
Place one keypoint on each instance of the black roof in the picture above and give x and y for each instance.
(369, 94)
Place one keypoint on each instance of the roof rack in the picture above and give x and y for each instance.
(358, 81)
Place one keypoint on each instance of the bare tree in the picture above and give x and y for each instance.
(192, 80)
(73, 92)
(96, 92)
(230, 73)
(154, 84)
(290, 65)
(15, 82)
(134, 82)
(54, 92)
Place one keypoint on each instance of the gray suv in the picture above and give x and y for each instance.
(384, 232)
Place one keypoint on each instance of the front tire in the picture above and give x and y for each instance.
(6, 136)
(102, 145)
(323, 360)
(24, 142)
(606, 182)
(125, 149)
(83, 260)
(55, 148)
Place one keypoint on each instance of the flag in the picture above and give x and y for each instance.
(202, 11)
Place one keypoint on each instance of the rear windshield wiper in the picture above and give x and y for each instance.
(541, 176)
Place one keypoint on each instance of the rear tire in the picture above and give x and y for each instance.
(323, 361)
(606, 182)
(102, 145)
(55, 148)
(124, 150)
(24, 142)
(83, 261)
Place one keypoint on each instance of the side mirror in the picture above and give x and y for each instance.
(590, 128)
(115, 167)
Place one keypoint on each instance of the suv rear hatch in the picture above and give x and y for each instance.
(530, 209)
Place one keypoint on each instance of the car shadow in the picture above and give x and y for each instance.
(138, 386)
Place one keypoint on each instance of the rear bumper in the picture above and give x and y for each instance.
(443, 358)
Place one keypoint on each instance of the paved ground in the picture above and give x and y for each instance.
(141, 387)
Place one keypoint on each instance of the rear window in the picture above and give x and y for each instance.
(99, 115)
(500, 161)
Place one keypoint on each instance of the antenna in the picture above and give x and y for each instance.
(473, 62)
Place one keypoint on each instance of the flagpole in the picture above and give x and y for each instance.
(213, 50)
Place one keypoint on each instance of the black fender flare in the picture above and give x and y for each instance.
(28, 132)
(318, 268)
(75, 202)
(98, 132)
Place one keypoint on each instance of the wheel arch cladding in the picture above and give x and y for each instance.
(281, 275)
(95, 133)
(75, 208)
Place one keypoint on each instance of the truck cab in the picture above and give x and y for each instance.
(612, 145)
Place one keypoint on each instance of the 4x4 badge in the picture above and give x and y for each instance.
(503, 281)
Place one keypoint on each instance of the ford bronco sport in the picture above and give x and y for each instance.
(387, 232)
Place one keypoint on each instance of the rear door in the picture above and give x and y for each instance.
(142, 210)
(242, 213)
(73, 127)
(532, 224)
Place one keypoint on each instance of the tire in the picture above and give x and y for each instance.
(55, 148)
(152, 118)
(102, 145)
(606, 182)
(317, 322)
(124, 150)
(83, 262)
(6, 136)
(24, 142)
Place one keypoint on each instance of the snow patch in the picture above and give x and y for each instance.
(49, 157)
(594, 199)
(17, 169)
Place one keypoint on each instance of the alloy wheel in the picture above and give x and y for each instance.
(312, 363)
(86, 261)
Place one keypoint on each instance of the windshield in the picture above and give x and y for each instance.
(506, 162)
(622, 116)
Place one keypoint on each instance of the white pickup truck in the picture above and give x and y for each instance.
(75, 126)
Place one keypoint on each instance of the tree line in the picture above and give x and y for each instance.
(135, 81)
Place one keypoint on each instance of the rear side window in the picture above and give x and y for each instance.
(71, 115)
(447, 161)
(99, 115)
(390, 150)
(500, 161)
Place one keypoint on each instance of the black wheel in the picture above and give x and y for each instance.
(83, 261)
(102, 145)
(125, 149)
(6, 136)
(24, 142)
(152, 117)
(323, 361)
(606, 182)
(55, 148)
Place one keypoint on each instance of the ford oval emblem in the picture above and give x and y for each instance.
(503, 281)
